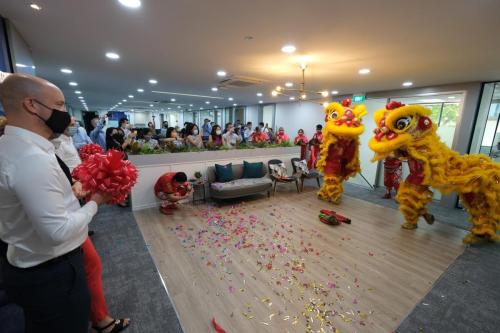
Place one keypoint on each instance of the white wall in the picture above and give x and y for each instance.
(296, 115)
(252, 114)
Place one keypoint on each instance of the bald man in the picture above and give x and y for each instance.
(41, 220)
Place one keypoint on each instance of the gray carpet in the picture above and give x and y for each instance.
(132, 284)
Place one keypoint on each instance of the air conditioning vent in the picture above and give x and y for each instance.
(240, 82)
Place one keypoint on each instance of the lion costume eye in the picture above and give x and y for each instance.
(334, 115)
(402, 123)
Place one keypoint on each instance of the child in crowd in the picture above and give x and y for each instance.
(314, 145)
(171, 188)
(281, 136)
(301, 140)
(258, 136)
(215, 139)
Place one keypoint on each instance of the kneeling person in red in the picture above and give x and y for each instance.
(172, 187)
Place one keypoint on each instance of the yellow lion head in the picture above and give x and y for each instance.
(342, 120)
(397, 126)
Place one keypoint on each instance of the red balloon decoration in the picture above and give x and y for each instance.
(107, 173)
(90, 149)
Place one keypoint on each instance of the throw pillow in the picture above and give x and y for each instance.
(252, 170)
(278, 170)
(224, 173)
(302, 166)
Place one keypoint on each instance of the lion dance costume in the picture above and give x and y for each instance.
(407, 132)
(340, 148)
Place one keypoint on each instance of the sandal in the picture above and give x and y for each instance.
(118, 326)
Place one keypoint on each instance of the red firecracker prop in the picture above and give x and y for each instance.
(217, 327)
(90, 149)
(339, 218)
(107, 173)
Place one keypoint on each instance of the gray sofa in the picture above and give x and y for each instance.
(239, 187)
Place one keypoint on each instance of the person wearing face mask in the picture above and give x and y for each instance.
(41, 221)
(258, 136)
(193, 138)
(80, 137)
(65, 148)
(97, 135)
(173, 138)
(230, 137)
(281, 136)
(216, 139)
(148, 140)
(301, 140)
(247, 132)
(314, 147)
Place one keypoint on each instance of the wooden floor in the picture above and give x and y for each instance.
(269, 265)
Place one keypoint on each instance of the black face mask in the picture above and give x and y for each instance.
(58, 120)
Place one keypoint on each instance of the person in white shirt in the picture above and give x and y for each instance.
(148, 140)
(247, 132)
(231, 139)
(41, 221)
(66, 150)
(80, 136)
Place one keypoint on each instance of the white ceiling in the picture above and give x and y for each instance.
(183, 43)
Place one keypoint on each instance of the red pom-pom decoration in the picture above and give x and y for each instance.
(346, 102)
(393, 105)
(107, 173)
(90, 149)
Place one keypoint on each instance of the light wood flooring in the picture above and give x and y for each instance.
(269, 265)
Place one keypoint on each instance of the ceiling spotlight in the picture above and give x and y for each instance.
(78, 92)
(230, 99)
(221, 73)
(288, 48)
(124, 100)
(140, 90)
(274, 93)
(153, 81)
(207, 102)
(35, 6)
(80, 97)
(150, 105)
(334, 92)
(130, 96)
(407, 84)
(201, 108)
(169, 108)
(131, 3)
(325, 104)
(112, 55)
(215, 106)
(324, 93)
(292, 98)
(235, 104)
(279, 88)
(289, 84)
(172, 100)
(119, 103)
(451, 97)
(303, 96)
(215, 88)
(191, 105)
(66, 70)
(73, 84)
(178, 106)
(259, 94)
(364, 71)
(260, 102)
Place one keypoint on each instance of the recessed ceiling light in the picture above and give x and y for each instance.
(215, 88)
(207, 102)
(288, 48)
(73, 84)
(35, 6)
(130, 96)
(119, 103)
(364, 71)
(334, 92)
(215, 106)
(112, 55)
(260, 102)
(289, 84)
(140, 90)
(66, 70)
(33, 67)
(151, 105)
(178, 106)
(324, 93)
(292, 98)
(131, 3)
(153, 81)
(78, 92)
(21, 65)
(169, 108)
(201, 108)
(451, 97)
(172, 100)
(259, 94)
(230, 99)
(191, 105)
(407, 84)
(124, 100)
(221, 73)
(235, 104)
(325, 104)
(80, 97)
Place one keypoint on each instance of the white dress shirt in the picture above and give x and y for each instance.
(67, 151)
(40, 218)
(231, 139)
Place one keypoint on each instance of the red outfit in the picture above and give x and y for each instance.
(301, 140)
(315, 149)
(416, 176)
(339, 155)
(165, 185)
(93, 271)
(259, 137)
(281, 137)
(392, 173)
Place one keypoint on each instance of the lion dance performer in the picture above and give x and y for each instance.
(340, 148)
(407, 132)
(393, 170)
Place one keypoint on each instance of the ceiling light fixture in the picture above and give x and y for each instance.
(191, 105)
(215, 106)
(150, 105)
(451, 97)
(80, 97)
(172, 100)
(230, 99)
(181, 94)
(221, 73)
(35, 6)
(207, 102)
(334, 92)
(324, 93)
(289, 84)
(78, 92)
(140, 90)
(73, 84)
(259, 94)
(260, 102)
(407, 84)
(235, 104)
(112, 55)
(124, 100)
(153, 81)
(130, 96)
(364, 71)
(288, 48)
(66, 70)
(131, 3)
(215, 88)
(119, 103)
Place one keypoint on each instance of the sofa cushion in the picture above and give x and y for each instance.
(252, 170)
(224, 173)
(243, 185)
(278, 170)
(301, 166)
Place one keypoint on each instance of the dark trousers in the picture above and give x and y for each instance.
(54, 297)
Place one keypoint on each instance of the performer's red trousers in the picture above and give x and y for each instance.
(93, 270)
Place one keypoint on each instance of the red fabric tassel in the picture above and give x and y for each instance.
(90, 149)
(217, 328)
(107, 173)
